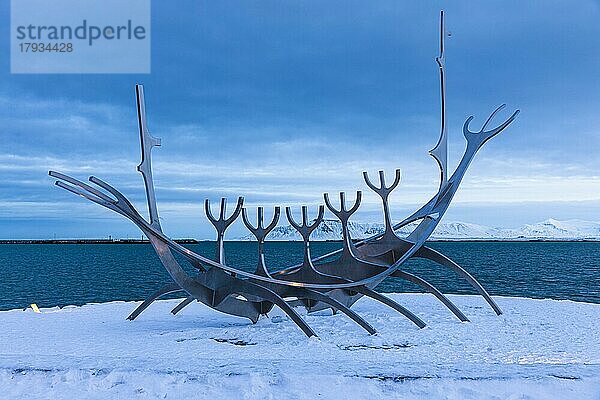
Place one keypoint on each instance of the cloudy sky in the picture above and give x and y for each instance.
(280, 101)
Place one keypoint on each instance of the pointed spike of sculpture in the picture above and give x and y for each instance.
(75, 182)
(260, 233)
(84, 194)
(397, 178)
(343, 213)
(384, 192)
(305, 229)
(222, 223)
(357, 202)
(381, 179)
(274, 221)
(260, 217)
(440, 151)
(329, 205)
(223, 209)
(369, 183)
(479, 138)
(147, 142)
(304, 216)
(208, 212)
(291, 220)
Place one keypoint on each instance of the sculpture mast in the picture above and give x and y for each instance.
(147, 142)
(440, 151)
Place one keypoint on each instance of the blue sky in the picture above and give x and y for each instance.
(280, 101)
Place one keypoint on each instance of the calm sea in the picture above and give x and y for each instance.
(59, 275)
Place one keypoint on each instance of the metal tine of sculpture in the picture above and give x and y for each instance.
(307, 272)
(260, 233)
(388, 246)
(344, 215)
(384, 192)
(357, 268)
(237, 292)
(221, 224)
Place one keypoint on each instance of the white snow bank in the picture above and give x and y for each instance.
(544, 349)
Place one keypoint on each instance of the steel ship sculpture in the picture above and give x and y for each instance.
(333, 281)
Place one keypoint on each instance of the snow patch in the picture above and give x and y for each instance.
(540, 349)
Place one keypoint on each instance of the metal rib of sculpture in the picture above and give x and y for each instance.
(333, 281)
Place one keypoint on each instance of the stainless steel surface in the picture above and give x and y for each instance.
(260, 233)
(336, 280)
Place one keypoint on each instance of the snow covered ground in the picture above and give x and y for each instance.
(539, 349)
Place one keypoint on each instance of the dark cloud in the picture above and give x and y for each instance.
(281, 101)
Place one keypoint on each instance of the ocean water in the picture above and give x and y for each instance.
(64, 274)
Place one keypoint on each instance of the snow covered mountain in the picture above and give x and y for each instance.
(550, 229)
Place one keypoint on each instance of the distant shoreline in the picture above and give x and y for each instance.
(195, 241)
(89, 241)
